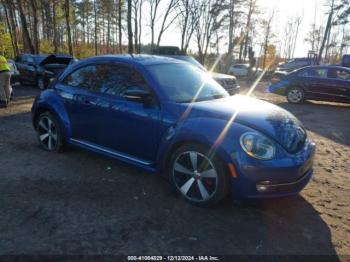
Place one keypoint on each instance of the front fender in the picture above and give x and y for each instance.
(49, 100)
(217, 134)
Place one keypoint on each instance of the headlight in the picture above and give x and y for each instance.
(258, 146)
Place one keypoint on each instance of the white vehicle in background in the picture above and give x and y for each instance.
(242, 70)
(239, 70)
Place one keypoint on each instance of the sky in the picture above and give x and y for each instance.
(310, 10)
(283, 10)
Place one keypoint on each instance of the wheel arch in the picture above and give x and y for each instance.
(219, 152)
(48, 101)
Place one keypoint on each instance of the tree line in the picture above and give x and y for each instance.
(91, 27)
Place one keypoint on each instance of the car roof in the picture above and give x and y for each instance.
(325, 67)
(134, 59)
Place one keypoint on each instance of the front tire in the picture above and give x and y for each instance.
(198, 176)
(49, 133)
(295, 95)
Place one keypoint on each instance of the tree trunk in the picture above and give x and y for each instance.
(54, 25)
(231, 26)
(326, 33)
(136, 27)
(12, 27)
(120, 26)
(140, 27)
(67, 13)
(11, 32)
(26, 35)
(95, 13)
(35, 25)
(130, 36)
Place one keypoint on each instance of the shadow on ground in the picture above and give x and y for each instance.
(324, 119)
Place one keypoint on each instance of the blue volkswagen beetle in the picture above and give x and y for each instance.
(171, 118)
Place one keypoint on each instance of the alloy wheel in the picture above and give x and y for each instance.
(295, 96)
(47, 132)
(195, 176)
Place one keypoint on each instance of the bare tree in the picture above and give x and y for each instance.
(95, 22)
(210, 20)
(291, 33)
(166, 22)
(251, 10)
(231, 15)
(120, 34)
(164, 17)
(137, 11)
(130, 36)
(54, 24)
(26, 34)
(35, 26)
(154, 4)
(267, 36)
(67, 16)
(187, 20)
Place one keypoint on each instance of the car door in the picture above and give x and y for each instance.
(340, 81)
(81, 103)
(128, 125)
(315, 83)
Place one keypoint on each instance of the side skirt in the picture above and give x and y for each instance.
(148, 166)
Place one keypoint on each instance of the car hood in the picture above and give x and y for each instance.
(56, 59)
(269, 119)
(221, 76)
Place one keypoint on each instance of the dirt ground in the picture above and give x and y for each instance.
(82, 203)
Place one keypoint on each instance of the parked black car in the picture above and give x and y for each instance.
(328, 83)
(39, 69)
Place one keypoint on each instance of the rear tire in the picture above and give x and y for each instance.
(49, 133)
(199, 178)
(295, 95)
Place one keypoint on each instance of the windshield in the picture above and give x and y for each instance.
(185, 83)
(192, 61)
(39, 58)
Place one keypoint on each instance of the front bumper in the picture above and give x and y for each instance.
(280, 177)
(279, 88)
(266, 190)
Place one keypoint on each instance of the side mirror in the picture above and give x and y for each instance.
(138, 95)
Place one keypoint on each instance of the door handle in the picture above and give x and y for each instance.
(88, 102)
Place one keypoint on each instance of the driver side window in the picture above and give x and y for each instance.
(120, 79)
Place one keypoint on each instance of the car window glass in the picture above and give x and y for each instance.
(83, 78)
(313, 72)
(118, 79)
(193, 85)
(30, 60)
(339, 74)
